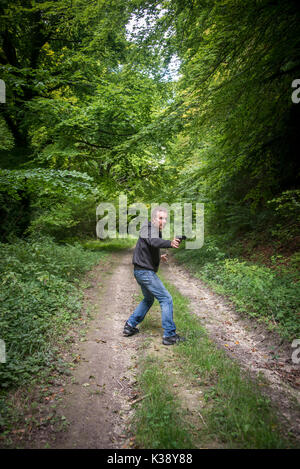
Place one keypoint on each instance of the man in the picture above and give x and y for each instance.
(146, 259)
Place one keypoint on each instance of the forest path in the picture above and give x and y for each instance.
(99, 397)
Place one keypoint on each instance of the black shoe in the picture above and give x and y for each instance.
(174, 339)
(129, 330)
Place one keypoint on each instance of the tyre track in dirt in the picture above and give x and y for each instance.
(248, 342)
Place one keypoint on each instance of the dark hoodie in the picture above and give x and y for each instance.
(147, 250)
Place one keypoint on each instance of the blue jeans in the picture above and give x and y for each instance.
(152, 287)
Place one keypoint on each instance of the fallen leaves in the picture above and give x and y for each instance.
(53, 395)
(236, 343)
(129, 444)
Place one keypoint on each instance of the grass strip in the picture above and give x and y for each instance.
(159, 420)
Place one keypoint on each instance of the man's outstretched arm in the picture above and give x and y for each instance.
(154, 240)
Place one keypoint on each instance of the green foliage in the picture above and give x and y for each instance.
(41, 183)
(77, 98)
(84, 96)
(56, 221)
(39, 299)
(287, 206)
(6, 138)
(47, 46)
(42, 200)
(237, 147)
(75, 218)
(295, 260)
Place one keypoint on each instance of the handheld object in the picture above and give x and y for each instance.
(180, 238)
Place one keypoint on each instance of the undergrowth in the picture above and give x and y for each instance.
(39, 297)
(271, 295)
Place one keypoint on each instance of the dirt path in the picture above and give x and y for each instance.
(249, 343)
(97, 402)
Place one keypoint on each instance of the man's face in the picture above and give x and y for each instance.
(160, 219)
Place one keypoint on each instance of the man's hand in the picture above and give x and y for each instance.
(175, 243)
(164, 257)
